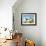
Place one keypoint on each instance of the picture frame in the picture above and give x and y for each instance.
(29, 19)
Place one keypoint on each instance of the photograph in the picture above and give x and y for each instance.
(28, 18)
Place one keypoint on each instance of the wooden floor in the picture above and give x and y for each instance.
(9, 43)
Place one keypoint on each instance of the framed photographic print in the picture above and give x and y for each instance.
(28, 18)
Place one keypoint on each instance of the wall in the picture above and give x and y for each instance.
(6, 13)
(43, 22)
(29, 32)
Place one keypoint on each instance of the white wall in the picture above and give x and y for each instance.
(43, 22)
(6, 13)
(31, 32)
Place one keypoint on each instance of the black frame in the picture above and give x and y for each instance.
(29, 24)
